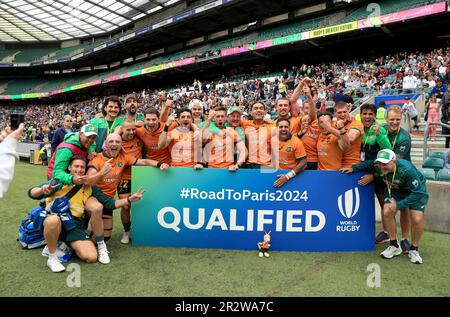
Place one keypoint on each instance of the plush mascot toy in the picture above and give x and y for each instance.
(264, 245)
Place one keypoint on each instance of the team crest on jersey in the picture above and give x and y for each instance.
(402, 148)
(288, 149)
(120, 164)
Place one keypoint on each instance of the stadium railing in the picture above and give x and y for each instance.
(426, 135)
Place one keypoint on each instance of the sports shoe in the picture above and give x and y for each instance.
(125, 238)
(404, 244)
(59, 253)
(54, 264)
(382, 237)
(390, 252)
(103, 256)
(415, 257)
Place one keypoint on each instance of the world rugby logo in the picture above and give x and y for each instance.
(351, 203)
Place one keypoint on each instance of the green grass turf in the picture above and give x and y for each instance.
(148, 271)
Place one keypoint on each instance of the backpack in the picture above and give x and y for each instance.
(31, 235)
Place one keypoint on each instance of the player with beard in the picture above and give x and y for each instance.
(184, 142)
(258, 136)
(355, 131)
(219, 148)
(286, 110)
(131, 105)
(108, 123)
(106, 171)
(332, 143)
(309, 134)
(291, 153)
(133, 146)
(150, 133)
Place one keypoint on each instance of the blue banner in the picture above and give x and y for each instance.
(88, 51)
(142, 30)
(215, 208)
(183, 15)
(111, 43)
(398, 100)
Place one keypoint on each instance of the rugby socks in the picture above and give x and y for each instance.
(413, 248)
(100, 241)
(394, 243)
(126, 227)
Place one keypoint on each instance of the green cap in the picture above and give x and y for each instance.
(233, 109)
(89, 129)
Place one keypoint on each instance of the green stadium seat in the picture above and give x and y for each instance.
(438, 154)
(434, 163)
(443, 175)
(428, 173)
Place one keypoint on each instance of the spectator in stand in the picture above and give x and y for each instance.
(61, 132)
(446, 120)
(433, 115)
(410, 82)
(439, 90)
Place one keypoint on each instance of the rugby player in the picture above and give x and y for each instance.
(291, 153)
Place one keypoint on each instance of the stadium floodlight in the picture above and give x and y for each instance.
(139, 16)
(154, 9)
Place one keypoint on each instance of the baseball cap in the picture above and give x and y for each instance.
(385, 156)
(89, 129)
(128, 97)
(233, 109)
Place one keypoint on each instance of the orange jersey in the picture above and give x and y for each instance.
(218, 151)
(296, 123)
(150, 140)
(353, 155)
(309, 140)
(329, 153)
(184, 147)
(133, 148)
(289, 152)
(258, 138)
(108, 183)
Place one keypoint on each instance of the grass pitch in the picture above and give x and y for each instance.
(149, 271)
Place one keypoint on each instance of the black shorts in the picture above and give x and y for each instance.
(124, 187)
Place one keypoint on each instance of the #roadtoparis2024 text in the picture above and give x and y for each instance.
(193, 193)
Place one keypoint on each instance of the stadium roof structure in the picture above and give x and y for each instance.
(57, 20)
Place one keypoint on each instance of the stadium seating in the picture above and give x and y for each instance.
(434, 163)
(428, 173)
(438, 154)
(443, 175)
(26, 56)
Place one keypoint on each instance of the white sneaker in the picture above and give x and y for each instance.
(54, 264)
(126, 238)
(103, 256)
(390, 252)
(58, 252)
(415, 257)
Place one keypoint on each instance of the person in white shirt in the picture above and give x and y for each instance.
(8, 156)
(410, 82)
(411, 109)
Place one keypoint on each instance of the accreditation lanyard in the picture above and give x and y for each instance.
(389, 186)
(395, 140)
(110, 129)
